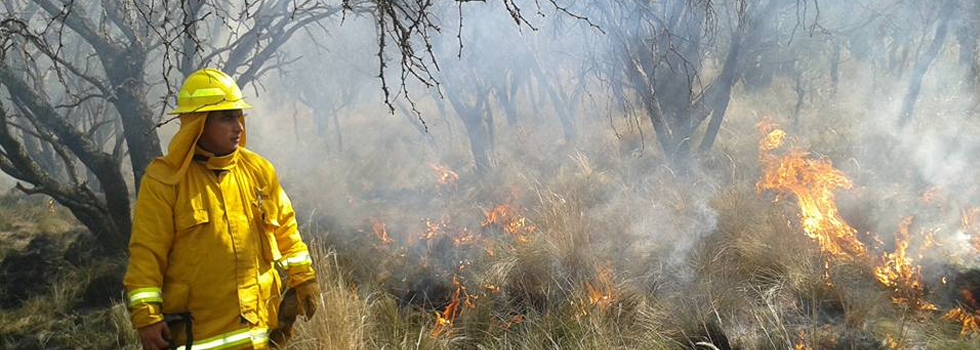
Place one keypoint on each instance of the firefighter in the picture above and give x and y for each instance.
(210, 225)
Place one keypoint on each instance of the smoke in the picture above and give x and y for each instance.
(672, 217)
(924, 169)
(566, 152)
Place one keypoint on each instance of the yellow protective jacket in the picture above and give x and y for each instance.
(207, 234)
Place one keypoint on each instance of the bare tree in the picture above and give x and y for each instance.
(80, 80)
(123, 60)
(470, 98)
(925, 60)
(657, 52)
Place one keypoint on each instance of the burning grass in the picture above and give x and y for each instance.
(581, 260)
(760, 250)
(813, 183)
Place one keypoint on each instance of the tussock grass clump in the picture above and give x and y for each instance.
(58, 318)
(51, 300)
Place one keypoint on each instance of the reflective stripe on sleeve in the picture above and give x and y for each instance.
(145, 295)
(256, 337)
(300, 259)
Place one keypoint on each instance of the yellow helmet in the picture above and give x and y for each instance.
(209, 90)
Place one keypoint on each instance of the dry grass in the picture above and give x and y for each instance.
(687, 258)
(53, 321)
(745, 272)
(754, 279)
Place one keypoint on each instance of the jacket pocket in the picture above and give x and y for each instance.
(268, 226)
(186, 220)
(176, 297)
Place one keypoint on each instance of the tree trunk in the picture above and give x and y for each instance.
(922, 65)
(44, 155)
(189, 63)
(479, 140)
(474, 120)
(125, 72)
(109, 221)
(321, 121)
(800, 95)
(504, 86)
(721, 91)
(721, 94)
(560, 101)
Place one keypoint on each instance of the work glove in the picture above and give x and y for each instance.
(302, 299)
(308, 297)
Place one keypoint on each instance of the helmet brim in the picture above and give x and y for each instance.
(220, 106)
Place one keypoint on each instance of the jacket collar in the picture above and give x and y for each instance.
(225, 162)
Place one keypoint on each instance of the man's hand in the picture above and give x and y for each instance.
(308, 295)
(155, 336)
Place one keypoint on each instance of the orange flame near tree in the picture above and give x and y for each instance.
(503, 216)
(444, 175)
(601, 292)
(464, 237)
(813, 183)
(380, 229)
(969, 320)
(897, 272)
(446, 317)
(800, 343)
(432, 229)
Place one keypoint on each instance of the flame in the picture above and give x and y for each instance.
(491, 288)
(601, 292)
(431, 229)
(381, 231)
(446, 317)
(970, 321)
(517, 225)
(898, 272)
(774, 137)
(813, 182)
(516, 319)
(444, 175)
(891, 342)
(934, 195)
(464, 237)
(800, 344)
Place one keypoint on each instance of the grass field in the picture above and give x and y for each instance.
(599, 245)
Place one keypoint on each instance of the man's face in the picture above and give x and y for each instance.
(222, 131)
